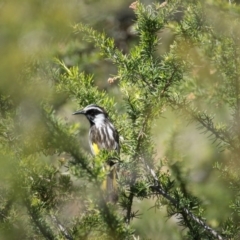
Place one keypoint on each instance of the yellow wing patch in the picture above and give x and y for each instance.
(95, 148)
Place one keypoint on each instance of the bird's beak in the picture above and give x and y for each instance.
(79, 112)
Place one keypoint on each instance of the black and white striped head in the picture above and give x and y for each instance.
(94, 113)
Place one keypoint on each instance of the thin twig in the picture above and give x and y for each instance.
(224, 136)
(38, 221)
(129, 207)
(159, 189)
(5, 210)
(134, 177)
(61, 228)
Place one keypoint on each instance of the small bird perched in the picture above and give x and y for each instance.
(103, 135)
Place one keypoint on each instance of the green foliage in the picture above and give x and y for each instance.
(50, 185)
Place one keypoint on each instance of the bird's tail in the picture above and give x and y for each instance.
(109, 186)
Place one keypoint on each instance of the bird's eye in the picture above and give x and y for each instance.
(93, 112)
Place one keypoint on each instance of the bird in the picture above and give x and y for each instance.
(103, 135)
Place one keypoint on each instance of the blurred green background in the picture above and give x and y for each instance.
(38, 31)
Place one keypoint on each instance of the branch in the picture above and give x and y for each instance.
(140, 138)
(168, 83)
(61, 228)
(129, 207)
(5, 210)
(39, 222)
(207, 123)
(185, 211)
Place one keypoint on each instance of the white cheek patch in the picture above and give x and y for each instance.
(99, 119)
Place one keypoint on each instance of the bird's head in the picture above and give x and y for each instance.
(94, 113)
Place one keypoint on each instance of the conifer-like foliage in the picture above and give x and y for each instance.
(50, 184)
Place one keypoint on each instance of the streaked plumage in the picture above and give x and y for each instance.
(103, 135)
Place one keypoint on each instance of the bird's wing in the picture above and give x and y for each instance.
(104, 137)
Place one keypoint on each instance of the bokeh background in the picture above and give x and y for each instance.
(37, 31)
